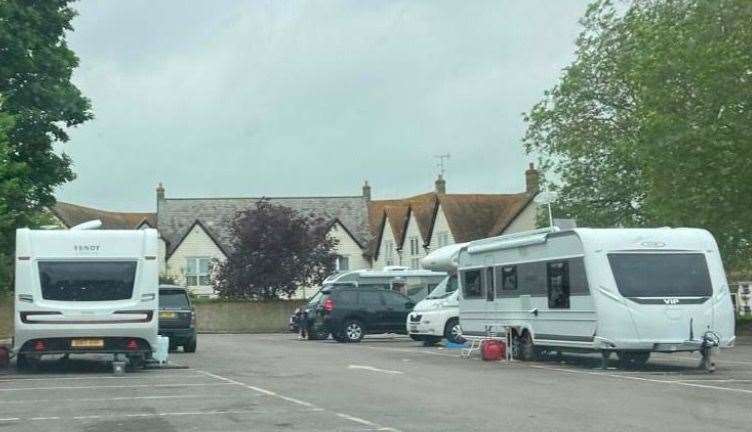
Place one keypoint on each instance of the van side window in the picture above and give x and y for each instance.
(558, 285)
(509, 278)
(471, 284)
(490, 285)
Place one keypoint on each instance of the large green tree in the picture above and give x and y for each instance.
(651, 124)
(38, 103)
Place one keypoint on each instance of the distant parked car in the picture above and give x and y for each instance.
(177, 317)
(349, 313)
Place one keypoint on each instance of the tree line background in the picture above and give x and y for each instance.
(649, 126)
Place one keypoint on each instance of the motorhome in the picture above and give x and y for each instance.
(415, 284)
(437, 316)
(624, 291)
(82, 291)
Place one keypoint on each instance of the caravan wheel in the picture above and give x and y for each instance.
(633, 359)
(523, 347)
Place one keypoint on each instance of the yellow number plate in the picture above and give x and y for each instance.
(167, 315)
(87, 343)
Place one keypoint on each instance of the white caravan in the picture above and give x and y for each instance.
(628, 291)
(438, 315)
(86, 291)
(415, 284)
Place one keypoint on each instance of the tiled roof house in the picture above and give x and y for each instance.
(371, 233)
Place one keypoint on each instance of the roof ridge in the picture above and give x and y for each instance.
(262, 197)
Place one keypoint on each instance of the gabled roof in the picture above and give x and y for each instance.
(470, 216)
(71, 215)
(196, 223)
(176, 215)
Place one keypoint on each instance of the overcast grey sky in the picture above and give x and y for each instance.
(289, 98)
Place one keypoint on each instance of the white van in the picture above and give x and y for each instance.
(628, 291)
(83, 291)
(438, 315)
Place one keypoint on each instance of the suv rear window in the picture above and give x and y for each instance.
(177, 299)
(87, 281)
(661, 274)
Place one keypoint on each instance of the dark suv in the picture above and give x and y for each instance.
(177, 318)
(349, 313)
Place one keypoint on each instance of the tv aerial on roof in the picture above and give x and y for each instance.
(547, 197)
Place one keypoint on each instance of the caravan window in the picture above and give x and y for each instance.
(87, 281)
(507, 279)
(661, 274)
(471, 284)
(489, 284)
(558, 285)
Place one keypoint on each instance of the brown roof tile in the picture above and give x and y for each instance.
(71, 215)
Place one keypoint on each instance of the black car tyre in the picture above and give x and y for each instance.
(353, 331)
(415, 337)
(453, 331)
(190, 347)
(633, 359)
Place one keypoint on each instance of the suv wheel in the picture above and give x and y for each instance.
(353, 331)
(190, 347)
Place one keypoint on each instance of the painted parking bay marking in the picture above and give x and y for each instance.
(373, 369)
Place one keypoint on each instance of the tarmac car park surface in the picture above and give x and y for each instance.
(390, 383)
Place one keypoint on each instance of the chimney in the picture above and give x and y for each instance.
(367, 191)
(532, 180)
(160, 192)
(440, 185)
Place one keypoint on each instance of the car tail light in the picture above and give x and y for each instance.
(193, 318)
(40, 346)
(132, 345)
(329, 304)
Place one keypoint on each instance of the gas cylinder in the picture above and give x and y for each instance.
(493, 350)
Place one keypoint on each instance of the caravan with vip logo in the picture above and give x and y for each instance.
(624, 291)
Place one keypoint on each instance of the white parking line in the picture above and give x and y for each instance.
(110, 386)
(298, 401)
(373, 369)
(29, 401)
(652, 380)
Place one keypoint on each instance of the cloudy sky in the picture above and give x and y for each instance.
(290, 98)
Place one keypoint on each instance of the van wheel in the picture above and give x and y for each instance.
(353, 331)
(453, 331)
(525, 349)
(633, 359)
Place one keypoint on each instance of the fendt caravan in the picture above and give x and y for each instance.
(82, 291)
(624, 291)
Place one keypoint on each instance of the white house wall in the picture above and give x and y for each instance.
(386, 237)
(525, 221)
(196, 244)
(347, 247)
(412, 232)
(440, 226)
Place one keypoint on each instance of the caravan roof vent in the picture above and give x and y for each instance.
(94, 224)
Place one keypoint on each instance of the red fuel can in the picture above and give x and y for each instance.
(493, 350)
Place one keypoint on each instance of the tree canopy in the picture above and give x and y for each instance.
(38, 103)
(651, 123)
(275, 250)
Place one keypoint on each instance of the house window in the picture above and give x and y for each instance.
(197, 271)
(443, 239)
(558, 285)
(471, 284)
(343, 263)
(414, 246)
(389, 252)
(415, 263)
